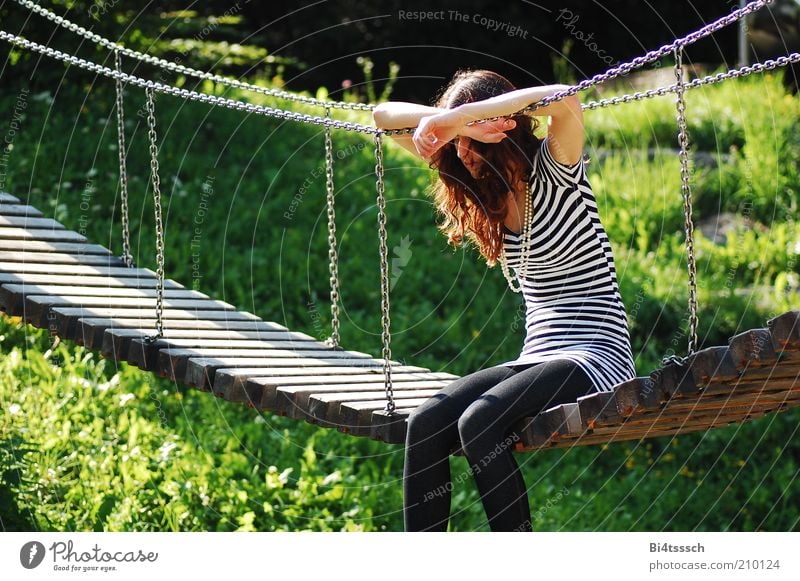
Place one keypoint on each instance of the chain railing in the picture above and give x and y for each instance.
(181, 69)
(156, 183)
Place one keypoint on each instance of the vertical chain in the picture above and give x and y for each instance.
(333, 257)
(384, 256)
(151, 132)
(123, 171)
(683, 141)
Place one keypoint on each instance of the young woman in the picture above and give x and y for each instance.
(526, 203)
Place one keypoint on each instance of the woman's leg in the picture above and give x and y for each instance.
(484, 429)
(430, 438)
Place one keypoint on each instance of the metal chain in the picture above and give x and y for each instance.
(333, 257)
(683, 156)
(184, 70)
(127, 257)
(624, 68)
(151, 133)
(744, 71)
(384, 259)
(186, 93)
(637, 62)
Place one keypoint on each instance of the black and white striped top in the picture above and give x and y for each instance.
(573, 306)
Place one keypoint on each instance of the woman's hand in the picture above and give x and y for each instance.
(490, 131)
(436, 130)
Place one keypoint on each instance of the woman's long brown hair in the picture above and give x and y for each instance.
(475, 208)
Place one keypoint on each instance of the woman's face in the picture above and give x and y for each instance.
(471, 160)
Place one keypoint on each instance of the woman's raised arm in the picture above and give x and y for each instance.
(565, 131)
(399, 114)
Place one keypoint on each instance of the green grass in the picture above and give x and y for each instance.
(86, 446)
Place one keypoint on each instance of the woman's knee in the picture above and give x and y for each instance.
(479, 421)
(424, 422)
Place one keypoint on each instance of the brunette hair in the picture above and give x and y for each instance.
(475, 208)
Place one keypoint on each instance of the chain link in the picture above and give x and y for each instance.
(127, 257)
(683, 156)
(744, 71)
(186, 93)
(184, 70)
(384, 259)
(151, 133)
(333, 340)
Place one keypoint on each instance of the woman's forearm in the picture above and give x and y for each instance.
(399, 114)
(511, 102)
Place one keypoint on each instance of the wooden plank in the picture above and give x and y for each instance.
(327, 407)
(599, 409)
(786, 366)
(77, 269)
(12, 296)
(785, 331)
(299, 387)
(91, 331)
(60, 258)
(611, 436)
(296, 394)
(704, 418)
(356, 417)
(127, 344)
(153, 356)
(37, 307)
(18, 210)
(172, 363)
(198, 367)
(30, 223)
(79, 248)
(261, 385)
(200, 371)
(713, 363)
(101, 282)
(47, 235)
(65, 319)
(753, 348)
(6, 198)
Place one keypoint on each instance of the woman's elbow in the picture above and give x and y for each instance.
(380, 115)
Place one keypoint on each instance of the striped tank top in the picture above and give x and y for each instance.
(573, 308)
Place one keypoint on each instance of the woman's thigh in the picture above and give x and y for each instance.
(526, 393)
(444, 408)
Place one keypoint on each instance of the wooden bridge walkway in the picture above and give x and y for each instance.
(54, 279)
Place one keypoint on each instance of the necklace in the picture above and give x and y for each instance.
(525, 237)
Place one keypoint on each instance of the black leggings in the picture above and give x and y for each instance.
(478, 409)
